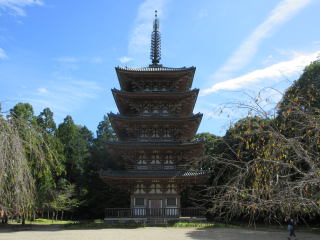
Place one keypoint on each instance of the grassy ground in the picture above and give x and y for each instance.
(97, 225)
(44, 221)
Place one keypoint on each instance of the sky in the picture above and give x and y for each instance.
(62, 54)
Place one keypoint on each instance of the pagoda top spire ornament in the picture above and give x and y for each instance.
(155, 53)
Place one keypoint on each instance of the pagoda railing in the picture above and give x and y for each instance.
(155, 139)
(156, 115)
(154, 212)
(154, 167)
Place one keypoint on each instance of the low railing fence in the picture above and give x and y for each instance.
(154, 212)
(154, 167)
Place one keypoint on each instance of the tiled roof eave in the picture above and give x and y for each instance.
(154, 118)
(150, 69)
(153, 94)
(155, 174)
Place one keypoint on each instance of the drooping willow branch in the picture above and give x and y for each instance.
(269, 165)
(25, 152)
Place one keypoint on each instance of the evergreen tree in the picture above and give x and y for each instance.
(24, 111)
(47, 179)
(68, 133)
(45, 121)
(100, 195)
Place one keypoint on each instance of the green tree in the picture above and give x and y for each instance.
(82, 157)
(46, 122)
(47, 179)
(24, 111)
(304, 92)
(272, 163)
(101, 155)
(100, 195)
(63, 199)
(22, 159)
(68, 133)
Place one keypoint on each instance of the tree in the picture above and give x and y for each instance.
(24, 111)
(100, 195)
(273, 166)
(63, 200)
(82, 156)
(304, 92)
(22, 158)
(68, 132)
(46, 122)
(47, 180)
(102, 157)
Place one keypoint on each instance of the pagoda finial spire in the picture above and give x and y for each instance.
(155, 54)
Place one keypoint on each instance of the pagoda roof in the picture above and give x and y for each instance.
(119, 150)
(121, 123)
(127, 75)
(154, 69)
(121, 98)
(154, 174)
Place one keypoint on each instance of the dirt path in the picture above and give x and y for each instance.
(152, 233)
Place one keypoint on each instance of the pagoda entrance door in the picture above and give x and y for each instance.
(155, 207)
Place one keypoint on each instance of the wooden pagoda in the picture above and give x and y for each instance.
(155, 125)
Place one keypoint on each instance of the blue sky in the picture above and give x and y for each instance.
(61, 54)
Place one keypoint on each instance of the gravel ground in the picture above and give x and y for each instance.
(150, 233)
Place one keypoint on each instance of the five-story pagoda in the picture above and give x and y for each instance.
(155, 125)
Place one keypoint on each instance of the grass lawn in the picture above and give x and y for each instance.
(45, 221)
(100, 225)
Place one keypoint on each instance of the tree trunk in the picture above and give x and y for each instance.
(61, 215)
(71, 216)
(48, 214)
(52, 216)
(70, 171)
(23, 219)
(42, 214)
(57, 216)
(34, 215)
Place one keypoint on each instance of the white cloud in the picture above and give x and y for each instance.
(23, 86)
(42, 89)
(288, 68)
(125, 59)
(243, 55)
(317, 42)
(15, 7)
(267, 60)
(202, 14)
(140, 38)
(63, 95)
(66, 59)
(2, 54)
(96, 60)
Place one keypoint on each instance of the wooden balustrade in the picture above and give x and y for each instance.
(154, 212)
(154, 167)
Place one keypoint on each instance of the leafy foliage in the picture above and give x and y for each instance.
(269, 166)
(24, 155)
